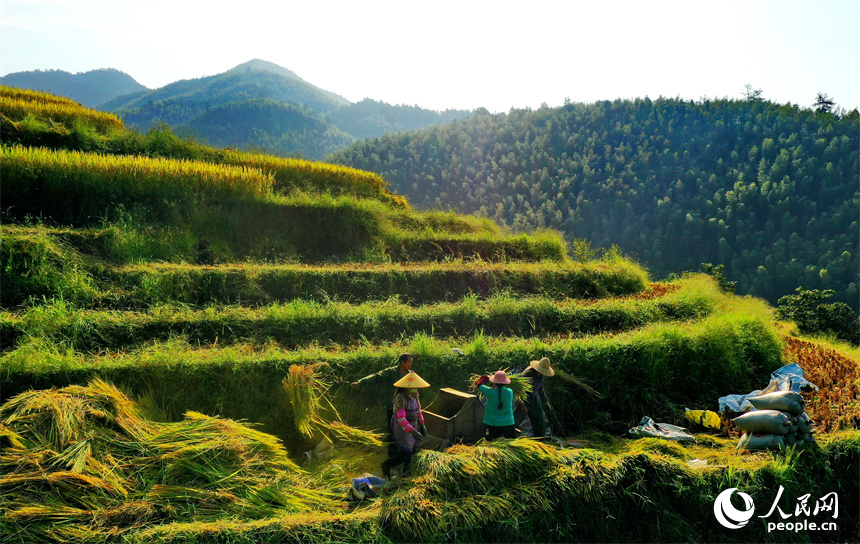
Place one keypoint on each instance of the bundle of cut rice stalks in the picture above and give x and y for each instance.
(308, 394)
(579, 382)
(521, 386)
(83, 463)
(470, 487)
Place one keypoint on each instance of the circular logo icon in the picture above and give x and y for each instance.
(729, 516)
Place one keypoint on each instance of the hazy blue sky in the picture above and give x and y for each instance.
(460, 53)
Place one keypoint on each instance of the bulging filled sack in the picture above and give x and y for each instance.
(764, 421)
(783, 401)
(802, 423)
(757, 441)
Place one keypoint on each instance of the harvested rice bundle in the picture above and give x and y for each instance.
(306, 392)
(308, 395)
(82, 463)
(63, 416)
(521, 386)
(462, 488)
(579, 382)
(353, 435)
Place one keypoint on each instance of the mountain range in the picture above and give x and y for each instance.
(257, 105)
(91, 88)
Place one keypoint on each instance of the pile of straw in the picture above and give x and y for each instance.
(83, 462)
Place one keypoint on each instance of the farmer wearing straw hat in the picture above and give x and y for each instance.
(407, 423)
(535, 373)
(387, 376)
(499, 412)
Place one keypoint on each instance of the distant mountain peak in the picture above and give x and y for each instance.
(90, 88)
(265, 66)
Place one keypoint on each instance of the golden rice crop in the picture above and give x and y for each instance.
(96, 172)
(579, 382)
(30, 95)
(836, 404)
(291, 174)
(469, 487)
(62, 112)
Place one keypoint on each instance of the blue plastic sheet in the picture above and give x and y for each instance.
(787, 378)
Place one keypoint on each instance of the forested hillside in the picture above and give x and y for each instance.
(268, 125)
(265, 107)
(89, 88)
(182, 101)
(370, 118)
(768, 190)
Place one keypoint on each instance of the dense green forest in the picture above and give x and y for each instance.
(768, 190)
(370, 118)
(268, 125)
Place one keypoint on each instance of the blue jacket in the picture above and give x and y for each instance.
(493, 415)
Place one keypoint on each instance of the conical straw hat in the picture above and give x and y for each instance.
(411, 381)
(543, 366)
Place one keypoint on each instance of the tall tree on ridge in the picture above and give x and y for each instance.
(823, 103)
(751, 95)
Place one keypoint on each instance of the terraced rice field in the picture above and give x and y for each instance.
(153, 332)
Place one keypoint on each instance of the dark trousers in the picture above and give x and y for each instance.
(399, 458)
(537, 419)
(389, 438)
(508, 431)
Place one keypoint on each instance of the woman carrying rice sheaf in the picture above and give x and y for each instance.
(407, 423)
(499, 412)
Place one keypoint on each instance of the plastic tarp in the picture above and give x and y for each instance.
(647, 428)
(738, 403)
(787, 378)
(367, 486)
(790, 378)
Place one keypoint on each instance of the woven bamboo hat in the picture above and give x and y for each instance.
(543, 366)
(411, 381)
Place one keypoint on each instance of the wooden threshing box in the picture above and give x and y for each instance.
(453, 417)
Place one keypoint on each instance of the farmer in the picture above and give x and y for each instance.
(407, 423)
(387, 376)
(537, 396)
(499, 413)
